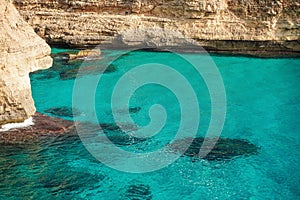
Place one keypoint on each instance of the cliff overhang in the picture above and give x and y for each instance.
(226, 26)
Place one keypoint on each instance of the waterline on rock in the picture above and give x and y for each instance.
(26, 123)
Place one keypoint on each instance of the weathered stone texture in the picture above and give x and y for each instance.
(216, 24)
(22, 51)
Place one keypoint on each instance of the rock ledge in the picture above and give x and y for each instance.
(44, 126)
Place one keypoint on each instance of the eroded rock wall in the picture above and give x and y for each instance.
(22, 52)
(251, 25)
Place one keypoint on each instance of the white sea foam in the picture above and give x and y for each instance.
(7, 127)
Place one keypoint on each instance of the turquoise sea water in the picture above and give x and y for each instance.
(263, 107)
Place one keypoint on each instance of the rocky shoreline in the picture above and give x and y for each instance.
(44, 126)
(189, 49)
(261, 53)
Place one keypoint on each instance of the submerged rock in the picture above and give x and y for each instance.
(43, 126)
(69, 74)
(117, 133)
(77, 55)
(109, 126)
(119, 126)
(78, 72)
(131, 110)
(63, 111)
(70, 64)
(224, 149)
(46, 76)
(138, 192)
(87, 53)
(106, 127)
(134, 109)
(123, 139)
(65, 180)
(63, 57)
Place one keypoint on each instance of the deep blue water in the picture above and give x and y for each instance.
(263, 107)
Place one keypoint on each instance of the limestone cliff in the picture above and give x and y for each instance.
(22, 51)
(234, 25)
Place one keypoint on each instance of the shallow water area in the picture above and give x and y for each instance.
(263, 107)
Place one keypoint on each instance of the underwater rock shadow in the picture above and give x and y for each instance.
(69, 65)
(67, 181)
(116, 133)
(86, 70)
(63, 111)
(138, 192)
(131, 110)
(224, 149)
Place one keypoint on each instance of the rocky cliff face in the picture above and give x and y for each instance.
(234, 25)
(22, 51)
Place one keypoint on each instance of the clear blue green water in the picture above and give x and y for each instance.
(263, 107)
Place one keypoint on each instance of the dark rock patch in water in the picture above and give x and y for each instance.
(65, 180)
(134, 109)
(114, 132)
(118, 127)
(106, 127)
(138, 192)
(68, 74)
(123, 139)
(77, 55)
(131, 110)
(63, 111)
(110, 127)
(63, 57)
(78, 72)
(110, 68)
(71, 64)
(45, 74)
(224, 149)
(44, 126)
